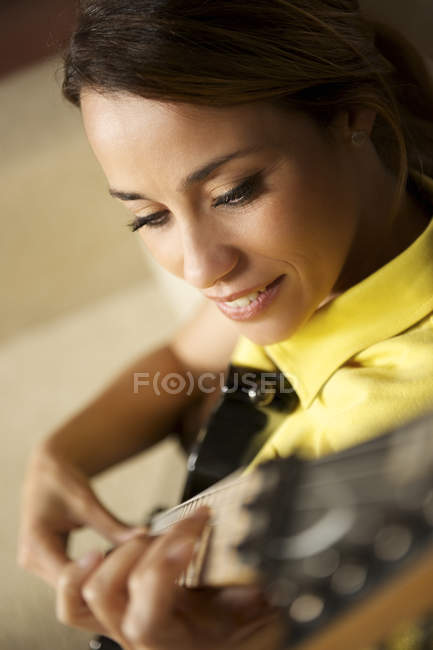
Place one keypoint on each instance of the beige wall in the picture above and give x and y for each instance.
(63, 243)
(78, 300)
(414, 18)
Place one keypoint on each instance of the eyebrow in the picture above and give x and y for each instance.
(195, 177)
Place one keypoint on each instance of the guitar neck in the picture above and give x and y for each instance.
(216, 562)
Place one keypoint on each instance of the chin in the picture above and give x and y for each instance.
(268, 333)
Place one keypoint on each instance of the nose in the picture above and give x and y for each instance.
(206, 257)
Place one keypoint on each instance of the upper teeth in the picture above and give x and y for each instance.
(245, 300)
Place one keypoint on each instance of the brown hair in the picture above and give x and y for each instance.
(320, 56)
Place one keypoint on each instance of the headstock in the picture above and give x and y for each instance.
(327, 535)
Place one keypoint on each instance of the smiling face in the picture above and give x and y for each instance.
(230, 199)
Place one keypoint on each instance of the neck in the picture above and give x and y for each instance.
(383, 231)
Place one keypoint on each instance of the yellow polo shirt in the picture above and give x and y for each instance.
(363, 363)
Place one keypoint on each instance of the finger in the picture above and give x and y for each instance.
(102, 520)
(71, 608)
(265, 632)
(239, 597)
(242, 603)
(217, 613)
(43, 551)
(152, 589)
(105, 591)
(228, 607)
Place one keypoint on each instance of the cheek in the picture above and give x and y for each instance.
(286, 227)
(309, 228)
(316, 214)
(165, 248)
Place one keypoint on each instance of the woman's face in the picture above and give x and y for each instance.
(234, 199)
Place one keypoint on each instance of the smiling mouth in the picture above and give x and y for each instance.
(240, 295)
(247, 306)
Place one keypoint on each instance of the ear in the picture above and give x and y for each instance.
(362, 119)
(346, 122)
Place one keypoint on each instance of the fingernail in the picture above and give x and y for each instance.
(181, 548)
(90, 558)
(202, 513)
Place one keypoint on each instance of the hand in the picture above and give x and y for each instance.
(58, 498)
(132, 596)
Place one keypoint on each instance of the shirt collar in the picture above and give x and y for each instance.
(392, 299)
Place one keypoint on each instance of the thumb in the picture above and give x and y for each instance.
(109, 526)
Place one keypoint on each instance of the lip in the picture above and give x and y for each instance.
(262, 301)
(240, 294)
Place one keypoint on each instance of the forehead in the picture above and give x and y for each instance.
(127, 120)
(148, 146)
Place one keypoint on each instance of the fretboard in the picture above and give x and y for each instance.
(216, 562)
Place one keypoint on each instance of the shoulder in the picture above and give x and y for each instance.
(411, 350)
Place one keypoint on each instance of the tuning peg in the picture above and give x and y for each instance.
(349, 578)
(393, 543)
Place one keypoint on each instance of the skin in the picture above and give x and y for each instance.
(132, 597)
(322, 215)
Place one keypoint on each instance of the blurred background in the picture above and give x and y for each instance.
(79, 296)
(79, 299)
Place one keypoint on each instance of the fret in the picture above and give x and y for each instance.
(216, 561)
(216, 497)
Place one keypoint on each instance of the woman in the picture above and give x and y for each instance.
(277, 156)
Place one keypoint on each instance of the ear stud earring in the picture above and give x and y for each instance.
(359, 137)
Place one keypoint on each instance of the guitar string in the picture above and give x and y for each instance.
(370, 448)
(218, 499)
(163, 520)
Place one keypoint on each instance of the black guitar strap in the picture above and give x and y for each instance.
(248, 397)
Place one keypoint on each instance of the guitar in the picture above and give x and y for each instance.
(341, 545)
(251, 406)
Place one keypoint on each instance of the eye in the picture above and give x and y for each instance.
(155, 220)
(240, 194)
(243, 193)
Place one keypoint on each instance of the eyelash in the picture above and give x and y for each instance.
(243, 193)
